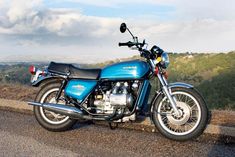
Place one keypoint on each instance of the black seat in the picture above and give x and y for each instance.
(73, 72)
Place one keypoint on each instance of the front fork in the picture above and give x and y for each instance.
(167, 92)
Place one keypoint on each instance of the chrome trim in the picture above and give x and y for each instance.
(167, 92)
(70, 111)
(152, 64)
(36, 76)
(180, 84)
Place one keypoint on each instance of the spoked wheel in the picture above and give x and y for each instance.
(191, 121)
(49, 116)
(48, 119)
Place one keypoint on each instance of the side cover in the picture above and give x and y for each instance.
(79, 89)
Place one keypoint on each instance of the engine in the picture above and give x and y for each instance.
(115, 95)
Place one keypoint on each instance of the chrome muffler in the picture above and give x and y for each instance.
(70, 111)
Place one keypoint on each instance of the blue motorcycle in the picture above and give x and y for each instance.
(119, 93)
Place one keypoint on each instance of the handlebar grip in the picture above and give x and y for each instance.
(129, 44)
(122, 44)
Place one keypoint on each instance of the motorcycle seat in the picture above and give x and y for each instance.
(73, 72)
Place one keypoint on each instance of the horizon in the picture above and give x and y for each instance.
(88, 31)
(104, 61)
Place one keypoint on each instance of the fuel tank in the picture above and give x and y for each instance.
(135, 69)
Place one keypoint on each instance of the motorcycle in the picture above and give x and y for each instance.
(119, 93)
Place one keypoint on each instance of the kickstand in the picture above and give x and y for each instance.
(113, 125)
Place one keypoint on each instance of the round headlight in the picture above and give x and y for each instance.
(165, 60)
(156, 50)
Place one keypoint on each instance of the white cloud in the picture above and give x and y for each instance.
(29, 27)
(200, 9)
(21, 9)
(32, 20)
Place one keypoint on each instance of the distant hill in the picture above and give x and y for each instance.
(212, 74)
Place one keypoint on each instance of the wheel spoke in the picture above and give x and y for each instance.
(50, 116)
(189, 108)
(164, 119)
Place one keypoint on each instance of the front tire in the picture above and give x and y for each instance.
(193, 118)
(47, 119)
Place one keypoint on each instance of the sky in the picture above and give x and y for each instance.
(87, 31)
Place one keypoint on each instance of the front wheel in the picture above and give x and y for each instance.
(192, 119)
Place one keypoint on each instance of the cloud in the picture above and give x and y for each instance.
(28, 19)
(200, 9)
(30, 27)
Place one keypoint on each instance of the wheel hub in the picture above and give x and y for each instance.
(184, 114)
(56, 115)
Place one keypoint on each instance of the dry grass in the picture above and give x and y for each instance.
(17, 92)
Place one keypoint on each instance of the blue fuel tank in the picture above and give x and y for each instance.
(135, 69)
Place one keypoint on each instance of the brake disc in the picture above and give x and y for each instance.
(183, 117)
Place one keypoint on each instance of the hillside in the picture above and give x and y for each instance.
(212, 74)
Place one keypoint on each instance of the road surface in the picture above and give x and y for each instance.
(21, 135)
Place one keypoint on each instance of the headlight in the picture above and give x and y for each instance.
(165, 60)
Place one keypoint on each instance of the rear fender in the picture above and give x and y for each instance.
(45, 79)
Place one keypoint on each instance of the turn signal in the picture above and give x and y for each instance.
(156, 70)
(165, 74)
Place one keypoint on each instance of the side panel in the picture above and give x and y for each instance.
(125, 70)
(142, 102)
(79, 89)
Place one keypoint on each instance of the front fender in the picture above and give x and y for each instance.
(43, 79)
(180, 84)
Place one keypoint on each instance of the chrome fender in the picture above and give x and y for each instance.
(180, 84)
(44, 79)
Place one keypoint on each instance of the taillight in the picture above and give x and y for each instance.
(32, 70)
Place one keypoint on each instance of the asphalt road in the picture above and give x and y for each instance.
(21, 135)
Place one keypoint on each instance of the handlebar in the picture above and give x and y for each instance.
(129, 44)
(148, 54)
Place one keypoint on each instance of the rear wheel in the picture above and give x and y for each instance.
(192, 119)
(47, 119)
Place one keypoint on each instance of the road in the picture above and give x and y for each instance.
(21, 135)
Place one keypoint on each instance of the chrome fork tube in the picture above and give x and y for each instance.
(168, 93)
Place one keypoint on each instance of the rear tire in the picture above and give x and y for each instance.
(45, 118)
(190, 124)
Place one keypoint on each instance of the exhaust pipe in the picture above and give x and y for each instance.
(70, 111)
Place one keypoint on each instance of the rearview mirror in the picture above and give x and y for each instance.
(123, 28)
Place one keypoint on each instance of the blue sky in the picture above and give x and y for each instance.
(128, 10)
(88, 31)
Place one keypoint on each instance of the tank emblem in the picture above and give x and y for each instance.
(130, 67)
(80, 87)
